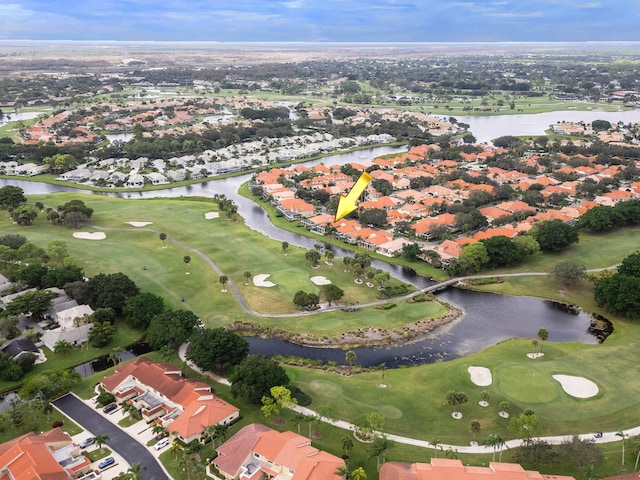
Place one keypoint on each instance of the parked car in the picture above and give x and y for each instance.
(51, 326)
(110, 408)
(87, 441)
(161, 443)
(106, 462)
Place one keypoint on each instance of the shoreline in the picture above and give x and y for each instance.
(409, 333)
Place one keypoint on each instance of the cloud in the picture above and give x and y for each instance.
(313, 20)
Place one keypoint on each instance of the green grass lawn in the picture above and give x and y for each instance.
(413, 402)
(35, 420)
(232, 246)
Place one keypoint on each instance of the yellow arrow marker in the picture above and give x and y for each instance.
(347, 203)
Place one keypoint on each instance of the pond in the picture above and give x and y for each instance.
(102, 363)
(488, 319)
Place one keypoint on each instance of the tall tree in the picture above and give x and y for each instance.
(543, 335)
(141, 308)
(187, 260)
(163, 238)
(554, 235)
(11, 196)
(255, 376)
(217, 349)
(171, 328)
(101, 440)
(331, 293)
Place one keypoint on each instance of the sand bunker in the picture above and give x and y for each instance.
(320, 280)
(139, 224)
(480, 376)
(577, 386)
(90, 236)
(210, 215)
(261, 280)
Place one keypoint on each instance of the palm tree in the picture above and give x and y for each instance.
(114, 355)
(310, 419)
(130, 409)
(220, 431)
(484, 396)
(163, 237)
(47, 409)
(379, 449)
(494, 441)
(543, 334)
(135, 471)
(329, 255)
(474, 428)
(247, 276)
(298, 418)
(350, 357)
(285, 245)
(623, 435)
(62, 347)
(175, 448)
(454, 399)
(359, 474)
(158, 429)
(347, 444)
(187, 260)
(504, 408)
(224, 280)
(636, 446)
(101, 439)
(435, 443)
(343, 472)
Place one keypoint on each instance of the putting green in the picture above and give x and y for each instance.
(390, 411)
(293, 279)
(521, 383)
(325, 389)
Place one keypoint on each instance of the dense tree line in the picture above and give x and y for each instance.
(603, 218)
(619, 292)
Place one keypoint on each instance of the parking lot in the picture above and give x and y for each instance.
(128, 444)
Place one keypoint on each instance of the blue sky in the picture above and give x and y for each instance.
(321, 20)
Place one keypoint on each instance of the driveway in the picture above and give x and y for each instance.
(119, 441)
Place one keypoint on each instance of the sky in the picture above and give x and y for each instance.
(322, 20)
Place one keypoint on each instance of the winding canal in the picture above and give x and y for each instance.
(488, 318)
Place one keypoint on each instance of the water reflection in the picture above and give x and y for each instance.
(488, 319)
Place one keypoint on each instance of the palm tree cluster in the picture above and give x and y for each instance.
(454, 399)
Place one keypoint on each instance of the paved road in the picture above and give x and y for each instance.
(130, 449)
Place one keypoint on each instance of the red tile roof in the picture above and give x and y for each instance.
(450, 469)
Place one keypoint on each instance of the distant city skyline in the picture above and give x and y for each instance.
(322, 20)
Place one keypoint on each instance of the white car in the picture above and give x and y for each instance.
(160, 444)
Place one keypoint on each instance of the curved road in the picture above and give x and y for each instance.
(130, 449)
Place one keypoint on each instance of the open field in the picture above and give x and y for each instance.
(232, 246)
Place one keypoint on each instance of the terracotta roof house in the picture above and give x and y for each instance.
(293, 208)
(51, 456)
(492, 213)
(318, 223)
(515, 206)
(615, 196)
(185, 407)
(450, 469)
(423, 226)
(257, 452)
(448, 250)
